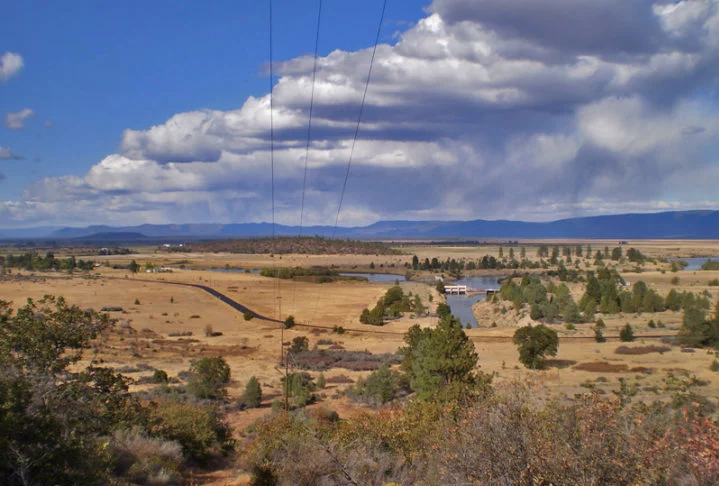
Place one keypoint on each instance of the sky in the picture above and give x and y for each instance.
(159, 112)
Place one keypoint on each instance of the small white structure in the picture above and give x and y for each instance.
(455, 289)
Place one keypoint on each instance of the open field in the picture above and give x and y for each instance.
(253, 347)
(155, 311)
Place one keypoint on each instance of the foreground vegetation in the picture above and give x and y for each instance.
(69, 425)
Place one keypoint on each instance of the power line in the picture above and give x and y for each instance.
(309, 124)
(359, 118)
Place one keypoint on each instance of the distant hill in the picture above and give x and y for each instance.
(670, 225)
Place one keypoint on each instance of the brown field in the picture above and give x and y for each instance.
(142, 335)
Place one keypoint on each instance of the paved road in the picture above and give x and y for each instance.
(227, 300)
(242, 308)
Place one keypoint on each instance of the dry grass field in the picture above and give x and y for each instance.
(155, 311)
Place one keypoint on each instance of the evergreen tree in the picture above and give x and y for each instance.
(253, 393)
(441, 361)
(626, 334)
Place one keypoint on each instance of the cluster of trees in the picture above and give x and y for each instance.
(699, 329)
(33, 261)
(602, 294)
(63, 424)
(455, 267)
(392, 304)
(323, 274)
(546, 303)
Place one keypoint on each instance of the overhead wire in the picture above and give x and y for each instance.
(309, 132)
(359, 118)
(309, 123)
(357, 129)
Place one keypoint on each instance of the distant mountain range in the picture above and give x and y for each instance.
(671, 225)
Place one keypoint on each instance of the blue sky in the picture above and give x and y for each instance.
(156, 112)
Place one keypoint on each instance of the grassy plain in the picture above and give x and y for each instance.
(155, 310)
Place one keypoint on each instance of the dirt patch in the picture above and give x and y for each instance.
(634, 350)
(605, 367)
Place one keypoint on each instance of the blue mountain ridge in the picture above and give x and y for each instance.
(670, 225)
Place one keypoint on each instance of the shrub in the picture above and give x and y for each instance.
(208, 378)
(599, 336)
(637, 350)
(600, 323)
(198, 429)
(248, 316)
(714, 366)
(143, 459)
(626, 334)
(160, 377)
(299, 345)
(253, 393)
(289, 322)
(321, 382)
(137, 301)
(652, 324)
(675, 280)
(338, 329)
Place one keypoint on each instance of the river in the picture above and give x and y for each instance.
(461, 305)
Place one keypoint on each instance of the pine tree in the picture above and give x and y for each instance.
(440, 362)
(253, 393)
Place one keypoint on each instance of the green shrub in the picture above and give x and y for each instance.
(599, 336)
(626, 334)
(289, 322)
(198, 429)
(248, 316)
(160, 377)
(253, 393)
(208, 378)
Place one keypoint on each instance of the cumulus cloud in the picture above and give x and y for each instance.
(10, 64)
(495, 109)
(6, 154)
(16, 120)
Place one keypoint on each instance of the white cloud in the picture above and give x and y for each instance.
(500, 108)
(16, 120)
(6, 154)
(10, 64)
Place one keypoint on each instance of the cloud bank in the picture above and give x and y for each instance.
(495, 109)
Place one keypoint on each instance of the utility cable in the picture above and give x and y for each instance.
(359, 118)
